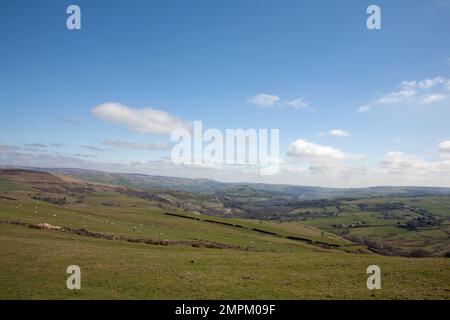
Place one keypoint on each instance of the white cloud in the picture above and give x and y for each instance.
(146, 120)
(412, 166)
(396, 168)
(269, 101)
(429, 83)
(135, 145)
(363, 108)
(444, 147)
(298, 103)
(335, 133)
(263, 100)
(433, 98)
(403, 95)
(396, 161)
(312, 152)
(426, 91)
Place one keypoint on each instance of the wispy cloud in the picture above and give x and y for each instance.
(335, 133)
(263, 100)
(57, 145)
(270, 100)
(298, 103)
(7, 147)
(83, 155)
(145, 120)
(135, 145)
(433, 98)
(30, 149)
(363, 108)
(426, 91)
(92, 148)
(35, 145)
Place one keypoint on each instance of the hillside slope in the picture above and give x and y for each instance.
(130, 244)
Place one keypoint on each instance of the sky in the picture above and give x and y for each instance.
(354, 107)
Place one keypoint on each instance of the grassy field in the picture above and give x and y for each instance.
(143, 222)
(33, 264)
(264, 260)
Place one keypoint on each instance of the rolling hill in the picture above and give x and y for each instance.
(139, 242)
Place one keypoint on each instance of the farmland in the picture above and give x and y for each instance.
(135, 243)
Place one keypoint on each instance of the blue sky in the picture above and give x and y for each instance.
(208, 61)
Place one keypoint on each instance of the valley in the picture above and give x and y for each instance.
(160, 242)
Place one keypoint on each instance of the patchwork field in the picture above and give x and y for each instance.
(417, 226)
(134, 247)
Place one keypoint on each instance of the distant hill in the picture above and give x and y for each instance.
(240, 190)
(374, 217)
